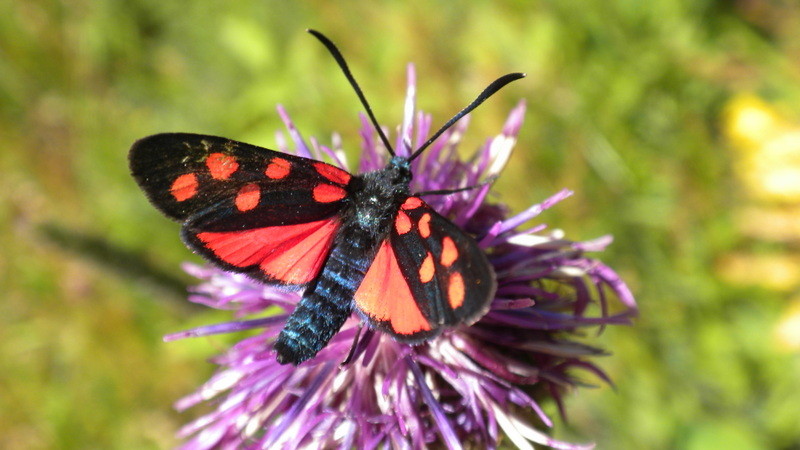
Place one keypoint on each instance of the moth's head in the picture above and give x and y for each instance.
(401, 167)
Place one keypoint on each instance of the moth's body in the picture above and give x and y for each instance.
(366, 219)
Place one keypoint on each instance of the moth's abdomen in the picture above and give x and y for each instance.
(326, 304)
(309, 329)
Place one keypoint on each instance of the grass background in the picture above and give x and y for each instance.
(631, 104)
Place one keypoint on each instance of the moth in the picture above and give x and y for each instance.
(362, 243)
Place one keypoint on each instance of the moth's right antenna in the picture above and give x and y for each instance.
(488, 92)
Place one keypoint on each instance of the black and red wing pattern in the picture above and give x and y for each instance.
(249, 209)
(428, 274)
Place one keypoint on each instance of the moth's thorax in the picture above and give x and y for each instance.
(377, 195)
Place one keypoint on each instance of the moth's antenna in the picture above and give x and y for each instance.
(343, 65)
(488, 92)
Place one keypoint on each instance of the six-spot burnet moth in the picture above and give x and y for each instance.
(362, 242)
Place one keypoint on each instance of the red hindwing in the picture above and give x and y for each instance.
(287, 254)
(386, 298)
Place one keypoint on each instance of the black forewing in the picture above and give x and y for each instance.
(432, 297)
(157, 161)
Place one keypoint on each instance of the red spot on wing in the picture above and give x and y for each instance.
(184, 187)
(402, 223)
(449, 252)
(424, 225)
(411, 203)
(326, 193)
(427, 270)
(248, 197)
(334, 174)
(455, 290)
(293, 254)
(385, 296)
(278, 168)
(221, 166)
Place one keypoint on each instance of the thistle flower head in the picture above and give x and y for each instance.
(471, 385)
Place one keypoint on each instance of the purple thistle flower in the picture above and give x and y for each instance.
(471, 384)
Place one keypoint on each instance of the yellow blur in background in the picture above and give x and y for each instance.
(767, 163)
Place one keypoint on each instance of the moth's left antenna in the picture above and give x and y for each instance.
(337, 55)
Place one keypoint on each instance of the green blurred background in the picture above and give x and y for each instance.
(677, 123)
